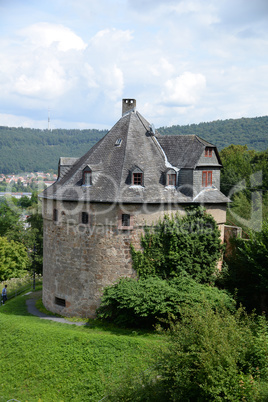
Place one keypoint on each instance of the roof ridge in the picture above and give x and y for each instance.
(154, 140)
(139, 117)
(202, 140)
(123, 162)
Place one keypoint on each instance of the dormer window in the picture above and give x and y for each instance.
(137, 177)
(87, 176)
(118, 142)
(208, 152)
(171, 178)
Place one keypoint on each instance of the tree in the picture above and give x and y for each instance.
(189, 243)
(12, 226)
(247, 270)
(236, 160)
(14, 259)
(9, 217)
(36, 236)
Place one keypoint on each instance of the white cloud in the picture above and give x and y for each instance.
(44, 34)
(46, 82)
(86, 55)
(89, 76)
(162, 68)
(107, 36)
(184, 90)
(112, 81)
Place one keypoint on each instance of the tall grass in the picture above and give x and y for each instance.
(47, 361)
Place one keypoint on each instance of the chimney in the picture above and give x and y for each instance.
(128, 105)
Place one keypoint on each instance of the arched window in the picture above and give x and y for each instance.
(171, 178)
(87, 176)
(137, 177)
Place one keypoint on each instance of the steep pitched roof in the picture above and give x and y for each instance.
(129, 144)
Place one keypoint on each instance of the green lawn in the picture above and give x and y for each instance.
(47, 361)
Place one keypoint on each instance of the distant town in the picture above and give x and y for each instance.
(26, 182)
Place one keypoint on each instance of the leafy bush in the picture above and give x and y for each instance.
(189, 243)
(247, 270)
(215, 356)
(211, 356)
(144, 302)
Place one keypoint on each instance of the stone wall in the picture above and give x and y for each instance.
(81, 259)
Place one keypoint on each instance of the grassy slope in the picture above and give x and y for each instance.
(48, 361)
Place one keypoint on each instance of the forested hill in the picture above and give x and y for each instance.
(25, 149)
(252, 132)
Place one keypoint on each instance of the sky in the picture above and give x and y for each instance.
(184, 61)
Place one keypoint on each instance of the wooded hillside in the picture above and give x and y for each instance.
(252, 132)
(26, 149)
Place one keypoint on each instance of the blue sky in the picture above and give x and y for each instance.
(184, 61)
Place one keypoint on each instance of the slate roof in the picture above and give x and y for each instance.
(184, 151)
(111, 166)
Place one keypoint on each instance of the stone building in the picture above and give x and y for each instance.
(102, 201)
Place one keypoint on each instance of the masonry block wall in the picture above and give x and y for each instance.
(80, 260)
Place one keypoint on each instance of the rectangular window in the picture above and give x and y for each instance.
(85, 218)
(171, 180)
(60, 302)
(137, 179)
(125, 220)
(87, 179)
(206, 178)
(55, 215)
(208, 152)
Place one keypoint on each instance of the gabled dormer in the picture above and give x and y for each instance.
(87, 176)
(171, 177)
(137, 177)
(209, 156)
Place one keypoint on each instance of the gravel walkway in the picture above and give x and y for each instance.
(34, 311)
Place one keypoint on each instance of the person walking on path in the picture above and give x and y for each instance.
(4, 294)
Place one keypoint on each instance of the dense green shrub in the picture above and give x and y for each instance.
(247, 273)
(215, 356)
(211, 356)
(189, 243)
(144, 302)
